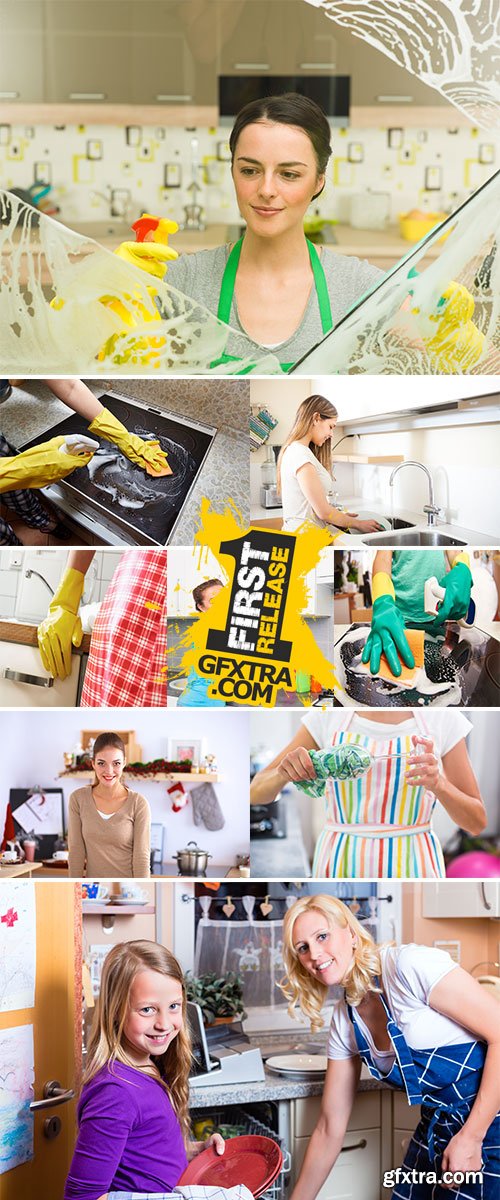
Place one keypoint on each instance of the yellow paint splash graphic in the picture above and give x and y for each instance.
(254, 678)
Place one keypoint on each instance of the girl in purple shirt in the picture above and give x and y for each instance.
(133, 1122)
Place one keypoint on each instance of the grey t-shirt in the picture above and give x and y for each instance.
(199, 276)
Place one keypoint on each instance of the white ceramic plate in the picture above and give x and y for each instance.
(305, 1065)
(371, 516)
(125, 900)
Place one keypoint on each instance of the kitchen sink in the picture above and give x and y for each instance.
(413, 537)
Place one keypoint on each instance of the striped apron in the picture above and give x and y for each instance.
(445, 1081)
(378, 825)
(127, 661)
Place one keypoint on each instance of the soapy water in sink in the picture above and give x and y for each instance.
(127, 485)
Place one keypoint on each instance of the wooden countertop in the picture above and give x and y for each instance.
(14, 870)
(26, 635)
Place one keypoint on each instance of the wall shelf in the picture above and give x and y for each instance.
(161, 777)
(390, 459)
(115, 910)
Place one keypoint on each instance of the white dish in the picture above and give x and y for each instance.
(126, 900)
(297, 1064)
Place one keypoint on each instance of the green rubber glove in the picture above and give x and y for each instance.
(387, 636)
(147, 455)
(457, 584)
(61, 629)
(39, 466)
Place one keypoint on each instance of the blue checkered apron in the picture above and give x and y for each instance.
(445, 1081)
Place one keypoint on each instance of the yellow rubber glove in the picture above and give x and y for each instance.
(61, 629)
(457, 343)
(147, 455)
(148, 256)
(153, 253)
(40, 465)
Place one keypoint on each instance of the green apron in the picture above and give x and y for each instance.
(227, 293)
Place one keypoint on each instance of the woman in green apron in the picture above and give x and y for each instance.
(274, 289)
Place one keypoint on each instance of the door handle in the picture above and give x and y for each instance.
(53, 1094)
(22, 677)
(357, 1146)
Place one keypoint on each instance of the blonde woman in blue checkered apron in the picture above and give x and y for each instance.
(401, 1015)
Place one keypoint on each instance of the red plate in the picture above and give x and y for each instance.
(253, 1160)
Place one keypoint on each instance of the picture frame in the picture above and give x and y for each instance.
(47, 819)
(185, 748)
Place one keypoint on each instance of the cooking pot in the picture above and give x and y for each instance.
(192, 860)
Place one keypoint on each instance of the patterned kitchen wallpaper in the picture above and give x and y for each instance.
(98, 171)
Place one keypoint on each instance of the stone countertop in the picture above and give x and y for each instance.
(279, 858)
(32, 411)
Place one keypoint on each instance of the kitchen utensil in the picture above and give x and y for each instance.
(414, 226)
(191, 860)
(252, 1159)
(298, 1066)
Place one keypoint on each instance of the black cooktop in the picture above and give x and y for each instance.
(465, 661)
(123, 493)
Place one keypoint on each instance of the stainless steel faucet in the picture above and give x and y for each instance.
(29, 572)
(433, 511)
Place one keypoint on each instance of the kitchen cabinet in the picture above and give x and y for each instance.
(467, 898)
(405, 1118)
(22, 50)
(19, 693)
(319, 601)
(357, 1170)
(186, 569)
(325, 566)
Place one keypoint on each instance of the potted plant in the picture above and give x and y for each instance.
(219, 997)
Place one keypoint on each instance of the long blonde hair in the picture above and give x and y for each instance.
(172, 1068)
(303, 420)
(303, 990)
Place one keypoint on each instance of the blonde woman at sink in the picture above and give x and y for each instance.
(109, 825)
(398, 581)
(379, 824)
(304, 471)
(422, 1026)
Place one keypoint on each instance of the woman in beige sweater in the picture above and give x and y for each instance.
(109, 825)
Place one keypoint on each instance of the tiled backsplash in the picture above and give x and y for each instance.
(150, 168)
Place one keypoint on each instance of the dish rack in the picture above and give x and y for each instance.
(251, 1124)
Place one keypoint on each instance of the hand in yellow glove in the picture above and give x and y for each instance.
(152, 257)
(147, 455)
(152, 253)
(40, 465)
(61, 629)
(457, 343)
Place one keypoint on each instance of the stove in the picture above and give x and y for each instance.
(115, 497)
(463, 665)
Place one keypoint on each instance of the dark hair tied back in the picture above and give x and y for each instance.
(289, 109)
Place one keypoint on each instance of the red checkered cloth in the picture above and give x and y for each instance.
(128, 652)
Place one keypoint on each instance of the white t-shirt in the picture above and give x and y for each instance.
(409, 973)
(445, 726)
(296, 508)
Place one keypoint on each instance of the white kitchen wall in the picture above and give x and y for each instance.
(35, 743)
(82, 161)
(28, 599)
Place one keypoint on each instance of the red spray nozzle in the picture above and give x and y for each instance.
(145, 224)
